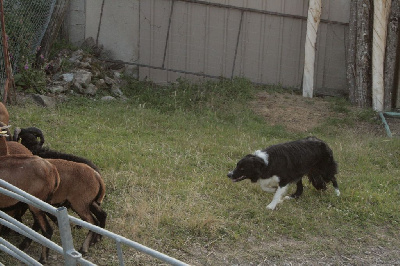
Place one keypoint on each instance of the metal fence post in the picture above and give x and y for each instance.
(70, 254)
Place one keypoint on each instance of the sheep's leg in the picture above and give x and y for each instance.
(85, 245)
(52, 217)
(84, 214)
(99, 213)
(48, 232)
(41, 222)
(4, 230)
(16, 211)
(27, 241)
(101, 217)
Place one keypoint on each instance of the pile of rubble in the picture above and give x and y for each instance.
(84, 73)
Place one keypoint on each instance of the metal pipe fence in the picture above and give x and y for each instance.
(71, 256)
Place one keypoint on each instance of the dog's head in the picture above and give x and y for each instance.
(250, 167)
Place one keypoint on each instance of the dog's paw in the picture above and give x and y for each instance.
(269, 189)
(271, 206)
(288, 198)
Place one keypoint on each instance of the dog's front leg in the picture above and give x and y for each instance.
(277, 197)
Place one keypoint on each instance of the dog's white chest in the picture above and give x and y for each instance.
(269, 183)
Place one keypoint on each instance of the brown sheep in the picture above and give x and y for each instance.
(4, 116)
(33, 139)
(17, 148)
(35, 176)
(81, 188)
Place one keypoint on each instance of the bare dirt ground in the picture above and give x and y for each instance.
(299, 114)
(292, 111)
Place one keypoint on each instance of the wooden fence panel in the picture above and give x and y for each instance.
(153, 38)
(262, 40)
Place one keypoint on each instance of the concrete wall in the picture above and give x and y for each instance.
(118, 30)
(262, 40)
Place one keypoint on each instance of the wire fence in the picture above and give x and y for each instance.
(26, 22)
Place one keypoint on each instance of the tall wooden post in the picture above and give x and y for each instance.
(313, 19)
(381, 15)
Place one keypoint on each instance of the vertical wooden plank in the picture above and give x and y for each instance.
(153, 34)
(339, 10)
(290, 50)
(331, 52)
(238, 3)
(323, 41)
(177, 49)
(301, 43)
(198, 36)
(255, 4)
(261, 50)
(197, 20)
(271, 55)
(249, 47)
(320, 55)
(250, 55)
(222, 35)
(290, 53)
(331, 65)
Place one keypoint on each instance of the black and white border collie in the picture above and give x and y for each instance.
(277, 166)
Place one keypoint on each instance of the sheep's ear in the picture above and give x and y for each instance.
(17, 131)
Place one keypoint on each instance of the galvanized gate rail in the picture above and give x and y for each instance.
(71, 256)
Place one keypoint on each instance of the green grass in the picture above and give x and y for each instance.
(165, 153)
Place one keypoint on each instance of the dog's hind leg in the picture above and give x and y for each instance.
(335, 185)
(277, 197)
(329, 176)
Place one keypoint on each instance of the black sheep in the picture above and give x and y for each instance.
(29, 138)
